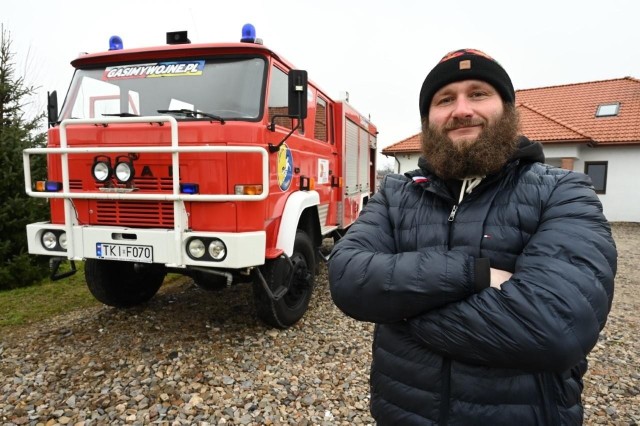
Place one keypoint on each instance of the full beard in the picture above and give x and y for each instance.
(484, 156)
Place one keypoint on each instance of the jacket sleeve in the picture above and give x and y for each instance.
(369, 281)
(548, 316)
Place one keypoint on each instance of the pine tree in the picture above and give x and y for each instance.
(17, 267)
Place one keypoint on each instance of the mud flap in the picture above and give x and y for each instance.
(54, 265)
(281, 290)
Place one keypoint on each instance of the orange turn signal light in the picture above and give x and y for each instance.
(253, 189)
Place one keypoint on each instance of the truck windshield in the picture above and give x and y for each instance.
(227, 88)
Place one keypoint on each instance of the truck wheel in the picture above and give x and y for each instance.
(122, 284)
(292, 306)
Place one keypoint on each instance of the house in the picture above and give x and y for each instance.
(591, 127)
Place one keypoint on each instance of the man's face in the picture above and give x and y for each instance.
(461, 110)
(486, 154)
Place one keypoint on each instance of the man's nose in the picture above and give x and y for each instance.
(462, 108)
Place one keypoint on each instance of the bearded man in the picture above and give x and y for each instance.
(489, 274)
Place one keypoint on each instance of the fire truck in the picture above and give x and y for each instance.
(221, 162)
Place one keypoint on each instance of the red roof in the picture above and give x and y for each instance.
(567, 113)
(410, 144)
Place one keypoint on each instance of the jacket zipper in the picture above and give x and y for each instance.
(446, 390)
(549, 406)
(452, 215)
(445, 404)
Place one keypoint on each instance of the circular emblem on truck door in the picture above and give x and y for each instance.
(285, 167)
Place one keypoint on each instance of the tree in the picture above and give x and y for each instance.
(386, 168)
(17, 267)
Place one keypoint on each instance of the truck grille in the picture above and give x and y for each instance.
(141, 214)
(145, 183)
(138, 213)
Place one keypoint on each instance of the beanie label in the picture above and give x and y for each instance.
(465, 65)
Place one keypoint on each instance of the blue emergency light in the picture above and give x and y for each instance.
(115, 43)
(189, 188)
(51, 186)
(48, 186)
(248, 34)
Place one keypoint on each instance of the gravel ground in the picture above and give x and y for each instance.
(196, 357)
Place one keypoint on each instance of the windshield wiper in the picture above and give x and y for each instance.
(192, 113)
(121, 114)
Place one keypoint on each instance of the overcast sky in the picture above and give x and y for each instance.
(378, 51)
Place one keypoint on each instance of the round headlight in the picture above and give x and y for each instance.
(63, 240)
(124, 172)
(49, 240)
(196, 248)
(217, 249)
(101, 171)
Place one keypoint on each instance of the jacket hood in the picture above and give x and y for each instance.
(527, 151)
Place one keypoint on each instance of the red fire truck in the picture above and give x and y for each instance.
(217, 161)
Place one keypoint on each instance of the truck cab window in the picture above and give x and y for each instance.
(229, 88)
(279, 97)
(320, 131)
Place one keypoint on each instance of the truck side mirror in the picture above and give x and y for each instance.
(297, 105)
(52, 108)
(298, 94)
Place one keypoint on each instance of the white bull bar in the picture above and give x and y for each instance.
(180, 215)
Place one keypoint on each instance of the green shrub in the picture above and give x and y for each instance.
(17, 133)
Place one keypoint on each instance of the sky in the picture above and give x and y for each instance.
(377, 51)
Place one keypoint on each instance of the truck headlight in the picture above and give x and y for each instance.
(63, 240)
(196, 248)
(124, 171)
(217, 249)
(49, 240)
(101, 171)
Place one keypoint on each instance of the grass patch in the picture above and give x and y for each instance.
(29, 305)
(32, 304)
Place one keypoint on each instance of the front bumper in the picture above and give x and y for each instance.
(244, 249)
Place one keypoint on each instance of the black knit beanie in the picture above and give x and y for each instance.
(465, 64)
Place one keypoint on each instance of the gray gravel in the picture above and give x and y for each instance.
(197, 357)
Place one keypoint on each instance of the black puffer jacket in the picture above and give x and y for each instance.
(447, 348)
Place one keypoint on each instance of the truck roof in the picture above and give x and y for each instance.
(189, 50)
(173, 51)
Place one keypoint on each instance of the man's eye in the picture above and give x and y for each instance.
(478, 94)
(445, 100)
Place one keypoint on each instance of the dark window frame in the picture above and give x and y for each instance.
(588, 164)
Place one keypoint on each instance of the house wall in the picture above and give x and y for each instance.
(621, 202)
(407, 162)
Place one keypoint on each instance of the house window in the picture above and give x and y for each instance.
(597, 171)
(608, 110)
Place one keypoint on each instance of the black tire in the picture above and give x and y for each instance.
(122, 284)
(292, 306)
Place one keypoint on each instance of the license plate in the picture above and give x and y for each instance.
(126, 252)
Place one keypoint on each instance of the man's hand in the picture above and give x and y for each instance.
(498, 277)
